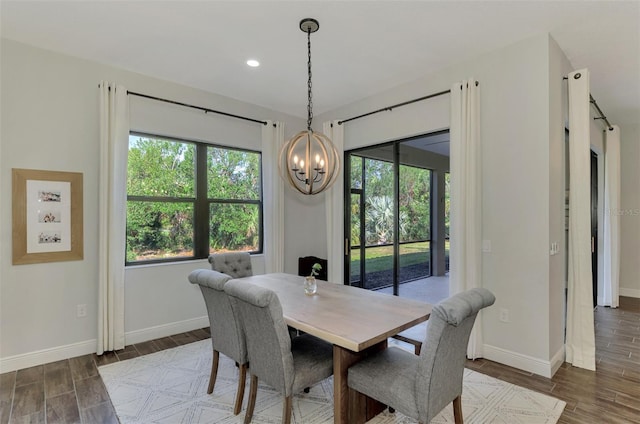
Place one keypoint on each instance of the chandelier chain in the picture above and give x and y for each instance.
(310, 103)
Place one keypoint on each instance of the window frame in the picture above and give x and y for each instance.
(201, 202)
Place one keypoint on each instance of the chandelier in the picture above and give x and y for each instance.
(309, 161)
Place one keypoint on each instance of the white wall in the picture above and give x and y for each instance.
(630, 210)
(305, 223)
(49, 113)
(515, 131)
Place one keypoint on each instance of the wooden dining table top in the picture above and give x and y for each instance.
(349, 317)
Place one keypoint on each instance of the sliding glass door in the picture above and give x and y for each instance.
(371, 225)
(396, 215)
(414, 197)
(389, 217)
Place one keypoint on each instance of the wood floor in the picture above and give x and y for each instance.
(611, 395)
(71, 391)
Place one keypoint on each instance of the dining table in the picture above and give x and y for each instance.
(357, 322)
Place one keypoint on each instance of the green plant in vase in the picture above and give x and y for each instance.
(315, 269)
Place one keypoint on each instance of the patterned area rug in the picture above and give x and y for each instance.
(171, 387)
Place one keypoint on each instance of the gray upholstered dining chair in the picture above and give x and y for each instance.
(288, 365)
(226, 332)
(235, 264)
(421, 386)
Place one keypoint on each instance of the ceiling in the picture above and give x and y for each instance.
(362, 47)
(436, 143)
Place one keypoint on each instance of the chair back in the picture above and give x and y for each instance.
(267, 337)
(442, 360)
(235, 264)
(227, 336)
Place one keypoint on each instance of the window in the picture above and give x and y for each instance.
(186, 200)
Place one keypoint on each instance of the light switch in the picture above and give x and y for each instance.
(486, 245)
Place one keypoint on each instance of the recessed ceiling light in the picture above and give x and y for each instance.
(253, 63)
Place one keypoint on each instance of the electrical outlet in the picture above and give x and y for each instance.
(504, 315)
(486, 246)
(81, 310)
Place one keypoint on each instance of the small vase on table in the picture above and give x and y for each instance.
(310, 285)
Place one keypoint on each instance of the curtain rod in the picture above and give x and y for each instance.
(602, 116)
(204, 109)
(390, 108)
(593, 102)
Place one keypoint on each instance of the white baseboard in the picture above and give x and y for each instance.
(629, 292)
(557, 360)
(524, 362)
(159, 331)
(31, 359)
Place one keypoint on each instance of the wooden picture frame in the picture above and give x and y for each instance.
(47, 216)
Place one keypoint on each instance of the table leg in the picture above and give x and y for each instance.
(342, 360)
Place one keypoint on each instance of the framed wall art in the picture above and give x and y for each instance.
(47, 216)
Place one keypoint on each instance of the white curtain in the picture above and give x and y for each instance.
(580, 349)
(114, 147)
(272, 141)
(334, 201)
(466, 198)
(612, 217)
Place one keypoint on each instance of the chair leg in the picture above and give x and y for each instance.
(214, 371)
(286, 410)
(242, 377)
(253, 391)
(457, 410)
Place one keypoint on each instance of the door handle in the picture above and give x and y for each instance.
(593, 244)
(346, 247)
